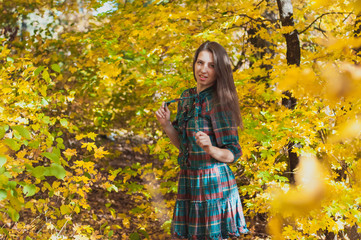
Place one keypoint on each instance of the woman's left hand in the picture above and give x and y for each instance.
(203, 140)
(222, 155)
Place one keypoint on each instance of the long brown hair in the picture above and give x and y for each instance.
(226, 94)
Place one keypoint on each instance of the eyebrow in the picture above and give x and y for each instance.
(204, 61)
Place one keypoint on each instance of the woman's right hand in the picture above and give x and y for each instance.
(163, 115)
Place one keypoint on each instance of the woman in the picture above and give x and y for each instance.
(208, 205)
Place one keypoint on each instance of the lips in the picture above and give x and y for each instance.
(203, 78)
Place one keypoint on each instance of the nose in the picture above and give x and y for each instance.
(204, 68)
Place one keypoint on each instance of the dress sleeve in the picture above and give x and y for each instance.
(225, 131)
(175, 123)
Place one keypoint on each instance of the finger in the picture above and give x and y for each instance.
(158, 114)
(197, 136)
(166, 108)
(161, 111)
(202, 133)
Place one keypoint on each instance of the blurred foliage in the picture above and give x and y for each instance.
(83, 75)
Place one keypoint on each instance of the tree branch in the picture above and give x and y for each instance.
(321, 16)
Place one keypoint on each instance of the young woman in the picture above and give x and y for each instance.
(208, 205)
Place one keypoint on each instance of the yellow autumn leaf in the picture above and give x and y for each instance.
(125, 218)
(80, 136)
(348, 130)
(70, 152)
(274, 227)
(72, 69)
(91, 135)
(21, 154)
(99, 152)
(310, 189)
(157, 148)
(89, 146)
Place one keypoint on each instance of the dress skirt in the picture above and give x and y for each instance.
(208, 205)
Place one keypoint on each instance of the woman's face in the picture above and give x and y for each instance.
(204, 70)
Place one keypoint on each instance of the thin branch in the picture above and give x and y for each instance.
(240, 60)
(347, 17)
(63, 227)
(321, 16)
(259, 3)
(255, 19)
(342, 164)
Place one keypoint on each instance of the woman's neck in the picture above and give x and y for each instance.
(201, 88)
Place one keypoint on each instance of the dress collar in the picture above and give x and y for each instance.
(206, 91)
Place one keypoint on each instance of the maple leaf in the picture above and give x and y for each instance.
(92, 135)
(80, 136)
(99, 153)
(89, 146)
(70, 152)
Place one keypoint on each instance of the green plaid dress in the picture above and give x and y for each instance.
(208, 205)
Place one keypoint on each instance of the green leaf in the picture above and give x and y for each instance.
(46, 76)
(2, 132)
(55, 170)
(34, 144)
(44, 102)
(3, 194)
(134, 236)
(52, 157)
(2, 160)
(112, 187)
(46, 119)
(38, 70)
(38, 172)
(65, 209)
(29, 190)
(64, 122)
(12, 144)
(13, 214)
(29, 167)
(55, 67)
(22, 131)
(12, 184)
(144, 233)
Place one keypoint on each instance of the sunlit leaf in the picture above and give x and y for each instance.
(29, 190)
(2, 160)
(55, 67)
(55, 170)
(22, 130)
(52, 156)
(13, 144)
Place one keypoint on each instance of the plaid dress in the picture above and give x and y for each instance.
(208, 205)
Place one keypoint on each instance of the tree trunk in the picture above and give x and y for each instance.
(293, 43)
(357, 33)
(293, 57)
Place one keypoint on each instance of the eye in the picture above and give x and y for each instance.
(212, 66)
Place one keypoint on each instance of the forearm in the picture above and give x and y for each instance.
(172, 134)
(220, 154)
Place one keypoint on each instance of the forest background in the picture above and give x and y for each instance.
(81, 153)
